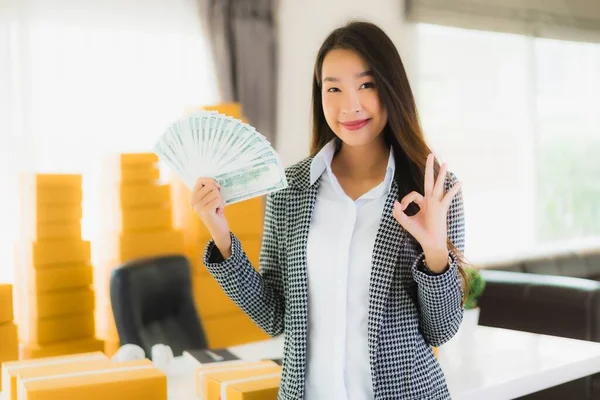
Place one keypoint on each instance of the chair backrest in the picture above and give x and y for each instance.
(153, 302)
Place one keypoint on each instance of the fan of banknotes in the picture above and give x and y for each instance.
(235, 154)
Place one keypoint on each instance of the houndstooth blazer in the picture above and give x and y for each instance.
(409, 309)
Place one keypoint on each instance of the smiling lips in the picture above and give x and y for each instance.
(355, 125)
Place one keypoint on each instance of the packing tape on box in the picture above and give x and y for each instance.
(226, 384)
(84, 373)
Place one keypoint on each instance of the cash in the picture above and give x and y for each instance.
(235, 154)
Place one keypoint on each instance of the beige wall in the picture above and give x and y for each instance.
(303, 27)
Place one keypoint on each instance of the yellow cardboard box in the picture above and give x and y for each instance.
(263, 387)
(142, 195)
(6, 303)
(51, 189)
(54, 304)
(52, 214)
(63, 277)
(67, 347)
(232, 329)
(226, 366)
(132, 220)
(147, 244)
(42, 254)
(11, 369)
(55, 231)
(215, 380)
(119, 381)
(59, 328)
(9, 345)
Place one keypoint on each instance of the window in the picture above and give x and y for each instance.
(87, 82)
(517, 120)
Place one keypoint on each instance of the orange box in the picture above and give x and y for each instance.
(136, 159)
(67, 347)
(119, 381)
(6, 303)
(211, 301)
(9, 348)
(141, 219)
(54, 304)
(10, 370)
(143, 195)
(129, 246)
(225, 366)
(57, 329)
(232, 329)
(55, 231)
(65, 277)
(42, 254)
(51, 189)
(263, 387)
(213, 381)
(51, 214)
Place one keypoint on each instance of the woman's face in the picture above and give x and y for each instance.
(351, 101)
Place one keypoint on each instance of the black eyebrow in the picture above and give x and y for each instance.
(360, 75)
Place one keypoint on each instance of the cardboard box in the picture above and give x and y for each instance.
(6, 303)
(50, 214)
(120, 381)
(67, 347)
(51, 189)
(11, 369)
(226, 366)
(63, 277)
(57, 329)
(231, 330)
(132, 220)
(54, 231)
(9, 347)
(136, 159)
(42, 254)
(214, 381)
(263, 387)
(130, 246)
(54, 304)
(211, 300)
(142, 195)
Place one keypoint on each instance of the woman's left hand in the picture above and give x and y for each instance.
(429, 226)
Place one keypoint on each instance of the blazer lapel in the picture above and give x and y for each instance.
(298, 214)
(386, 254)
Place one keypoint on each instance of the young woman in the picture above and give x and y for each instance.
(361, 258)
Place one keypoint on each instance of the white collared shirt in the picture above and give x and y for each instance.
(339, 255)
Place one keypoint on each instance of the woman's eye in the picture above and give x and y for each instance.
(367, 85)
(333, 89)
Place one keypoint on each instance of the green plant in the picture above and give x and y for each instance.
(476, 287)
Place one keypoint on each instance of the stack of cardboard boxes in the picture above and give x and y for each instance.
(224, 322)
(136, 223)
(9, 345)
(54, 275)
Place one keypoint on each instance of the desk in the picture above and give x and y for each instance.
(497, 364)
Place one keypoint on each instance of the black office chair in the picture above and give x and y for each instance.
(152, 303)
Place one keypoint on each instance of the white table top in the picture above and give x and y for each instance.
(495, 364)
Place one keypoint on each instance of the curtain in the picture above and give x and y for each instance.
(576, 20)
(243, 40)
(82, 80)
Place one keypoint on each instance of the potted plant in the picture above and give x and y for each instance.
(471, 314)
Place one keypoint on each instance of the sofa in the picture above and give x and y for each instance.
(547, 304)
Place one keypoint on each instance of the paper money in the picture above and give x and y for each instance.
(213, 145)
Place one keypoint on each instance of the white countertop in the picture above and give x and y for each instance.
(494, 364)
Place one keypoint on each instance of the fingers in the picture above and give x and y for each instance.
(450, 195)
(201, 182)
(429, 176)
(438, 190)
(413, 196)
(205, 190)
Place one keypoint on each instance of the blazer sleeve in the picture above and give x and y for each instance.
(440, 296)
(259, 294)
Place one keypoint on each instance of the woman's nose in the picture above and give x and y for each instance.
(351, 104)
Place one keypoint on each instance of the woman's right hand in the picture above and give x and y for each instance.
(208, 203)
